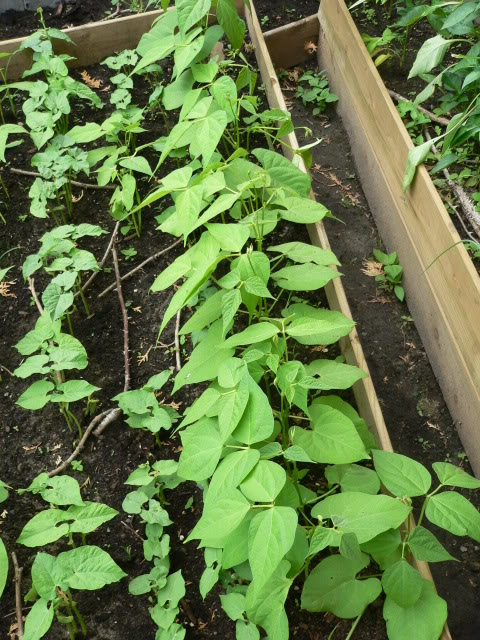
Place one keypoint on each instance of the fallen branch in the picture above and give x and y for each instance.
(18, 594)
(75, 183)
(80, 446)
(438, 119)
(177, 342)
(132, 530)
(116, 413)
(140, 266)
(462, 196)
(103, 260)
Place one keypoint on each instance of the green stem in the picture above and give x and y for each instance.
(82, 296)
(77, 613)
(355, 625)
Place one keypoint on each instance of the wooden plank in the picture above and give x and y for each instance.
(443, 294)
(92, 42)
(287, 44)
(364, 391)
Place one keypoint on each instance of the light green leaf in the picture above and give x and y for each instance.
(362, 514)
(221, 518)
(208, 580)
(422, 621)
(304, 277)
(333, 438)
(201, 406)
(451, 511)
(202, 447)
(55, 301)
(88, 567)
(270, 536)
(45, 577)
(235, 550)
(256, 423)
(425, 546)
(317, 326)
(416, 156)
(402, 476)
(331, 586)
(234, 605)
(32, 365)
(453, 476)
(252, 334)
(207, 313)
(36, 396)
(72, 391)
(205, 360)
(229, 20)
(39, 620)
(231, 237)
(264, 482)
(137, 163)
(246, 631)
(402, 583)
(45, 527)
(89, 517)
(353, 477)
(303, 211)
(430, 55)
(62, 490)
(230, 472)
(302, 252)
(334, 375)
(323, 538)
(230, 304)
(283, 173)
(3, 567)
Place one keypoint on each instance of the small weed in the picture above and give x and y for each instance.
(314, 91)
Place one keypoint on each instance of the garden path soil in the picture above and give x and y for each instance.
(418, 421)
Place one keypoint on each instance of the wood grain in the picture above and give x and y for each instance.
(287, 45)
(443, 291)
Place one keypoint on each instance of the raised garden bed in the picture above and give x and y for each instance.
(365, 397)
(443, 287)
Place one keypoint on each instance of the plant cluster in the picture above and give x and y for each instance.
(313, 90)
(290, 473)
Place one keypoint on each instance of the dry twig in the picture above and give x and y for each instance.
(103, 260)
(75, 183)
(31, 286)
(140, 266)
(434, 118)
(18, 594)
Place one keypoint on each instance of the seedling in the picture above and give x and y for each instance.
(313, 90)
(392, 275)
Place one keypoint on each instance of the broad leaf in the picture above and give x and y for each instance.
(453, 476)
(304, 277)
(402, 476)
(39, 620)
(45, 527)
(256, 423)
(221, 518)
(265, 604)
(3, 566)
(202, 447)
(88, 568)
(451, 511)
(402, 583)
(425, 546)
(264, 483)
(36, 396)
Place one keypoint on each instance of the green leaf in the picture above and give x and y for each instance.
(207, 134)
(230, 472)
(317, 326)
(451, 511)
(332, 587)
(189, 12)
(453, 476)
(230, 304)
(89, 517)
(425, 546)
(402, 583)
(270, 536)
(303, 211)
(205, 360)
(423, 621)
(45, 577)
(256, 423)
(234, 605)
(231, 237)
(430, 55)
(62, 490)
(302, 252)
(3, 567)
(88, 568)
(353, 477)
(283, 173)
(137, 163)
(202, 447)
(208, 580)
(334, 375)
(235, 549)
(246, 631)
(257, 287)
(72, 391)
(252, 334)
(323, 538)
(32, 365)
(333, 438)
(264, 482)
(221, 518)
(265, 604)
(36, 396)
(55, 301)
(45, 527)
(362, 514)
(229, 20)
(304, 277)
(402, 476)
(207, 313)
(416, 156)
(39, 620)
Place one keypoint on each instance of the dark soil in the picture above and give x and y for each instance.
(276, 13)
(416, 416)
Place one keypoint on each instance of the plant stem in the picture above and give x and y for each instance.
(354, 626)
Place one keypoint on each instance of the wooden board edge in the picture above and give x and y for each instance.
(364, 390)
(288, 45)
(439, 332)
(92, 42)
